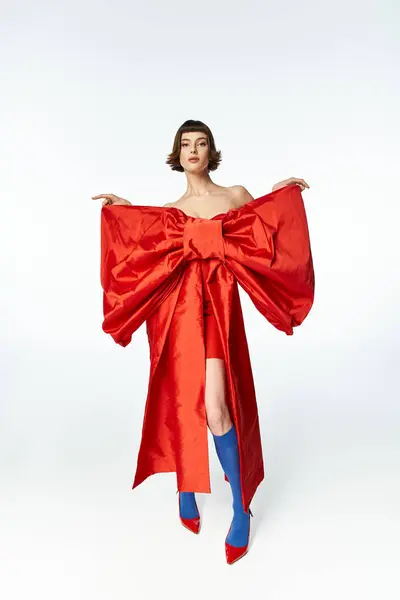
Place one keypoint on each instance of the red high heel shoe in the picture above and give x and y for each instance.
(233, 553)
(192, 524)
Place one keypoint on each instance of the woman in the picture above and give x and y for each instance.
(203, 219)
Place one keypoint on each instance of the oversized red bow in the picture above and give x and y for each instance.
(265, 244)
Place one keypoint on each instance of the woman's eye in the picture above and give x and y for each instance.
(186, 144)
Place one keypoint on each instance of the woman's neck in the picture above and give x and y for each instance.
(199, 184)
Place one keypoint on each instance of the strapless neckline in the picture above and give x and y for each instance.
(248, 206)
(200, 218)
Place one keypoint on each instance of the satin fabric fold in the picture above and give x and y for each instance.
(154, 263)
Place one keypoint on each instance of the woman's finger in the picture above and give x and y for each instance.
(108, 196)
(303, 184)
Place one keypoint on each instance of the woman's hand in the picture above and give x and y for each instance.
(111, 199)
(299, 182)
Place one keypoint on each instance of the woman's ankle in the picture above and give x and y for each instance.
(187, 505)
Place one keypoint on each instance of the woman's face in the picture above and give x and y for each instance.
(194, 145)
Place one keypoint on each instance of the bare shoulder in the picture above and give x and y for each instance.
(240, 195)
(169, 204)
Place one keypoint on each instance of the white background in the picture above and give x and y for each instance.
(92, 94)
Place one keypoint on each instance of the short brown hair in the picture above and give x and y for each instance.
(214, 155)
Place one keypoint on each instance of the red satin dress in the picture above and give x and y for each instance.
(179, 275)
(213, 345)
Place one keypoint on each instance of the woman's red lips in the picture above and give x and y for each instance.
(194, 159)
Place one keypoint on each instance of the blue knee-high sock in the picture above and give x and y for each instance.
(227, 449)
(187, 505)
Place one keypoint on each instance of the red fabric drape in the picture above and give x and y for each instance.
(151, 271)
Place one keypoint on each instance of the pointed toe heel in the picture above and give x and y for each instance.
(192, 524)
(233, 553)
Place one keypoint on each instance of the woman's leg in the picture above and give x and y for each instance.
(218, 417)
(226, 445)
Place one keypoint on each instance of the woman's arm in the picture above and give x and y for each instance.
(299, 182)
(112, 199)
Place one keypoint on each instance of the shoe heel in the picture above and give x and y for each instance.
(192, 524)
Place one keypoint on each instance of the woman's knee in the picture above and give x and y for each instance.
(218, 419)
(218, 416)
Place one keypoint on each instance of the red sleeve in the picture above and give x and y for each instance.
(279, 277)
(132, 287)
